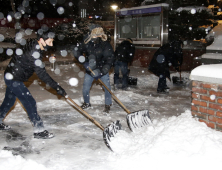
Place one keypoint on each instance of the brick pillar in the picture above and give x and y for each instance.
(207, 103)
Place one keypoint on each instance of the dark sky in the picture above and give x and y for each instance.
(103, 7)
(72, 7)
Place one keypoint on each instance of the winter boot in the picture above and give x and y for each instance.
(125, 88)
(167, 88)
(43, 135)
(86, 105)
(116, 87)
(4, 127)
(163, 91)
(107, 108)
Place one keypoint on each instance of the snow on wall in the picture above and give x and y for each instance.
(207, 73)
(217, 56)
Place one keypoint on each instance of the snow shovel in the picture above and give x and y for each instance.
(132, 81)
(136, 119)
(178, 80)
(108, 132)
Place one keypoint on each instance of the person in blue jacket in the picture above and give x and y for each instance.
(20, 69)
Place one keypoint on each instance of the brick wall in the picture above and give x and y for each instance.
(207, 103)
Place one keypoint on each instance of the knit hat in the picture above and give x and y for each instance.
(96, 30)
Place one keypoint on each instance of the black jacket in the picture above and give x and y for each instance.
(125, 52)
(22, 67)
(101, 51)
(169, 54)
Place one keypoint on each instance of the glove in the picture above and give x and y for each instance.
(61, 91)
(96, 74)
(86, 66)
(98, 77)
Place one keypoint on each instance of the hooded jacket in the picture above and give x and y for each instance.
(169, 54)
(99, 54)
(21, 67)
(125, 52)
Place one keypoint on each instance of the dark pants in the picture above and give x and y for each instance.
(123, 66)
(17, 89)
(162, 82)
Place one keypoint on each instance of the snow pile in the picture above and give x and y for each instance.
(9, 162)
(177, 143)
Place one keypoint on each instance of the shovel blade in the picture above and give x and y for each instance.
(138, 119)
(110, 131)
(178, 81)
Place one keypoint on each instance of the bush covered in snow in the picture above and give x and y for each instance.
(188, 20)
(71, 32)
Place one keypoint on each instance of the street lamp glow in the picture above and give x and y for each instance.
(114, 7)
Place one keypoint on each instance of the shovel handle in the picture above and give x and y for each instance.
(112, 93)
(86, 114)
(180, 72)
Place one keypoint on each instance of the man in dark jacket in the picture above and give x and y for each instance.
(123, 55)
(170, 54)
(20, 69)
(97, 54)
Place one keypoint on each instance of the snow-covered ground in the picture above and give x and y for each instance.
(174, 141)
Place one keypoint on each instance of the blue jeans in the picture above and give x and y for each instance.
(162, 81)
(17, 89)
(88, 83)
(123, 66)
